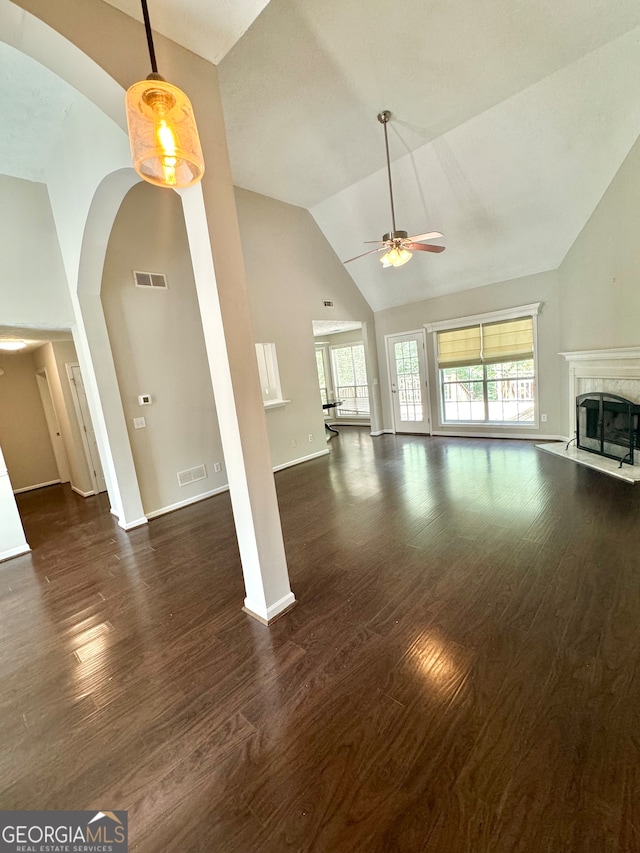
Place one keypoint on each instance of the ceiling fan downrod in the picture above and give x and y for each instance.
(383, 118)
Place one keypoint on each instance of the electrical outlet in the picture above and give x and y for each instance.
(543, 418)
(294, 443)
(139, 423)
(310, 437)
(217, 467)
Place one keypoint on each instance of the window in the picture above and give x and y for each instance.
(486, 367)
(322, 375)
(350, 380)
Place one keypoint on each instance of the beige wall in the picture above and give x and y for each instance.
(24, 436)
(291, 270)
(158, 347)
(600, 277)
(542, 288)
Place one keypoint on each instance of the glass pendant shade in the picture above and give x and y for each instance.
(165, 146)
(395, 258)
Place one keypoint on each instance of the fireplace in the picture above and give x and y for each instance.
(608, 425)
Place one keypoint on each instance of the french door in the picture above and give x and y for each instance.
(408, 382)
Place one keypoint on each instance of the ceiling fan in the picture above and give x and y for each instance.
(398, 244)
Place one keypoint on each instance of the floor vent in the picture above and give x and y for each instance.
(191, 475)
(150, 280)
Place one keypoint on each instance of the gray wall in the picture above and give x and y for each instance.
(600, 277)
(542, 288)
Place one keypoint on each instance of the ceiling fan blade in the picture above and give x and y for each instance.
(370, 252)
(372, 241)
(422, 247)
(431, 235)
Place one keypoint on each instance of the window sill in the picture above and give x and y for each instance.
(275, 404)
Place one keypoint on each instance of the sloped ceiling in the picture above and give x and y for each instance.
(509, 121)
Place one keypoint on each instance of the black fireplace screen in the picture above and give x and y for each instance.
(608, 425)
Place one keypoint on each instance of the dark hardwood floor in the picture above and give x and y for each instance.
(460, 674)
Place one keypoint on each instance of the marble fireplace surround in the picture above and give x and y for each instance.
(610, 371)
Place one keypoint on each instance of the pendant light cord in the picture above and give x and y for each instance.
(386, 145)
(152, 52)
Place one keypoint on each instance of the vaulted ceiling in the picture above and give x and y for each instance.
(509, 120)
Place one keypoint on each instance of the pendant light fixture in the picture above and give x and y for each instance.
(165, 146)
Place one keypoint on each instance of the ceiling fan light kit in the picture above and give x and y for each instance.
(399, 246)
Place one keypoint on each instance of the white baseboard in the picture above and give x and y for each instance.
(139, 522)
(154, 513)
(382, 432)
(266, 616)
(526, 436)
(14, 552)
(36, 486)
(301, 459)
(81, 493)
(336, 424)
(187, 502)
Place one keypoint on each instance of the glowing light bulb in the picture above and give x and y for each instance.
(168, 149)
(395, 258)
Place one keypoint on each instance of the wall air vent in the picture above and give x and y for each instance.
(328, 303)
(191, 475)
(150, 280)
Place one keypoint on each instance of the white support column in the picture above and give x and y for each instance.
(12, 539)
(103, 396)
(243, 430)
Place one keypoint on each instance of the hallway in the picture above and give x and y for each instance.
(460, 674)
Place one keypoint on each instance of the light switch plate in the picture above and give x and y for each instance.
(139, 423)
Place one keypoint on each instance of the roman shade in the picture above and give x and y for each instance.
(486, 343)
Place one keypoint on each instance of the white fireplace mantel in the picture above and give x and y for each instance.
(616, 371)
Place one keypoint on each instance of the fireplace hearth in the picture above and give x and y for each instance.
(607, 425)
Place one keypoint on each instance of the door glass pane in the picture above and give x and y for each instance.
(409, 388)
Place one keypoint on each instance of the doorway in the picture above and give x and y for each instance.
(53, 426)
(88, 435)
(341, 361)
(406, 355)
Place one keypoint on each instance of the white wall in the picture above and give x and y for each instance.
(33, 288)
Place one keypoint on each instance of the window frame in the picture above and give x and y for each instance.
(519, 312)
(334, 380)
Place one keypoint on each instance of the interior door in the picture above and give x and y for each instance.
(408, 381)
(86, 427)
(53, 426)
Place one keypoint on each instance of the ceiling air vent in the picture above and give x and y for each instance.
(150, 280)
(328, 303)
